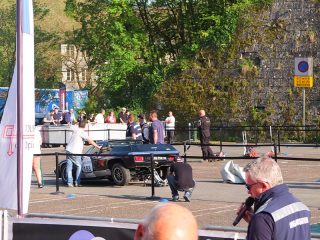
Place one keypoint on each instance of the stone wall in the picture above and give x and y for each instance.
(288, 29)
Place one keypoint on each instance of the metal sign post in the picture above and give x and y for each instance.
(304, 113)
(303, 77)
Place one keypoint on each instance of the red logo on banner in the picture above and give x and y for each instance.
(9, 133)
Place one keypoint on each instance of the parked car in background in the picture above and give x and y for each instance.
(123, 161)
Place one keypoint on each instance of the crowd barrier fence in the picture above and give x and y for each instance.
(64, 227)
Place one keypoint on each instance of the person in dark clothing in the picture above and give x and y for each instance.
(48, 119)
(57, 116)
(133, 129)
(69, 117)
(82, 117)
(181, 179)
(203, 125)
(144, 128)
(277, 214)
(123, 116)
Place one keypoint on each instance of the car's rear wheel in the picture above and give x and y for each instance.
(120, 174)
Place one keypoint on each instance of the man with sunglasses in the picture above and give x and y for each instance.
(277, 214)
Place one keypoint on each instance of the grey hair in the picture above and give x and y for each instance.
(264, 169)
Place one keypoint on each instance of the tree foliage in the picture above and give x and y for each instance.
(47, 55)
(7, 45)
(114, 38)
(165, 54)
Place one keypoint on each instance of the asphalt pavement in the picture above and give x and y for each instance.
(213, 202)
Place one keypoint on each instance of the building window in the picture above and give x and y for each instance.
(70, 50)
(69, 75)
(82, 75)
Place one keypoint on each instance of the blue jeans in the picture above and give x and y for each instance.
(174, 188)
(76, 160)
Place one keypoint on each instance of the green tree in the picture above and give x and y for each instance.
(113, 36)
(47, 54)
(7, 44)
(165, 54)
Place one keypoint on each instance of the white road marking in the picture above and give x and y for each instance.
(215, 208)
(138, 202)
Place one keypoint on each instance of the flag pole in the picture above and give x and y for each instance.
(19, 47)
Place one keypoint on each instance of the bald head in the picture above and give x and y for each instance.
(202, 113)
(168, 221)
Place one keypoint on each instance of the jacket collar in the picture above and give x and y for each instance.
(270, 193)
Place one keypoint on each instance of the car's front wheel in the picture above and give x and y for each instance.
(120, 174)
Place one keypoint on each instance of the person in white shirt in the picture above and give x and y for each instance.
(75, 146)
(170, 125)
(100, 116)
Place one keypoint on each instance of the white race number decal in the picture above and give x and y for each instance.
(87, 165)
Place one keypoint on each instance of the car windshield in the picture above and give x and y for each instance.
(153, 147)
(114, 143)
(124, 143)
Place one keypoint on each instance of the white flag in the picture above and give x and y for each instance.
(8, 126)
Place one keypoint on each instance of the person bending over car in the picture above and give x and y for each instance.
(75, 146)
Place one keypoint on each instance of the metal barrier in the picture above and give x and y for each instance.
(1, 224)
(186, 146)
(60, 135)
(55, 227)
(272, 134)
(57, 154)
(4, 229)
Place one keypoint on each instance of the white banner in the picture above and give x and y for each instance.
(8, 126)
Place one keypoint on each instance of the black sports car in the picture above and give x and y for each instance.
(124, 160)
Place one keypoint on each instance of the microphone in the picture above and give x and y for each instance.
(247, 205)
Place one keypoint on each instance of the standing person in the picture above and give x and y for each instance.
(133, 129)
(100, 116)
(75, 146)
(91, 118)
(204, 131)
(82, 117)
(36, 162)
(69, 117)
(170, 125)
(123, 117)
(181, 179)
(144, 128)
(57, 117)
(111, 118)
(277, 213)
(156, 130)
(48, 119)
(168, 222)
